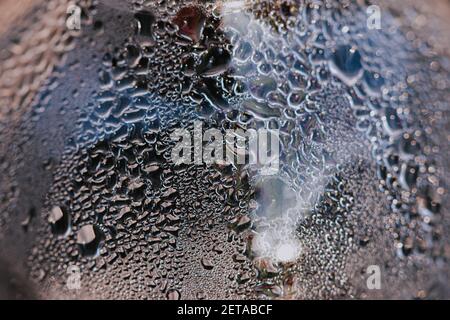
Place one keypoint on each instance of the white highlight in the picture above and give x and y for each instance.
(233, 6)
(288, 252)
(276, 231)
(278, 243)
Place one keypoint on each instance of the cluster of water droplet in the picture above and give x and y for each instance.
(345, 104)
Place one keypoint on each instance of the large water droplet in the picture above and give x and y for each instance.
(59, 221)
(345, 63)
(89, 238)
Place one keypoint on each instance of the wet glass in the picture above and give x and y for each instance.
(96, 97)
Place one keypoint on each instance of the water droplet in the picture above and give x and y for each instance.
(89, 238)
(345, 63)
(59, 221)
